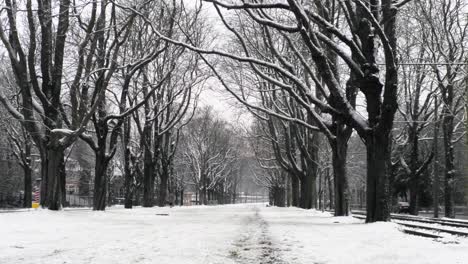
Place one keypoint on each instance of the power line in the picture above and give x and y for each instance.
(428, 63)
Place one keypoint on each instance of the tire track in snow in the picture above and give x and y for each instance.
(255, 245)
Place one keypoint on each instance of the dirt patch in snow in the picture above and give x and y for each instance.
(255, 245)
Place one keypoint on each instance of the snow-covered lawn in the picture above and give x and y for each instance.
(307, 236)
(212, 234)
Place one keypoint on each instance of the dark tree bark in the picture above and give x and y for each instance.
(378, 157)
(339, 156)
(21, 146)
(54, 184)
(128, 182)
(294, 190)
(306, 193)
(435, 165)
(44, 181)
(204, 191)
(51, 66)
(449, 180)
(27, 169)
(330, 192)
(100, 179)
(148, 163)
(163, 189)
(27, 198)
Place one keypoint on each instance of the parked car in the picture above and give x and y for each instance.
(403, 207)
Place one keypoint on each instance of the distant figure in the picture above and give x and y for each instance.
(171, 199)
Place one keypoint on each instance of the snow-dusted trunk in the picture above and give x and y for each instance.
(54, 182)
(449, 180)
(381, 102)
(378, 146)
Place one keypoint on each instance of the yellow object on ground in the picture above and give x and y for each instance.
(35, 205)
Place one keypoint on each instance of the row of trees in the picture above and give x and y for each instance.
(328, 68)
(95, 81)
(92, 72)
(123, 77)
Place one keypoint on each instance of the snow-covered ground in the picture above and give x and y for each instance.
(307, 236)
(212, 234)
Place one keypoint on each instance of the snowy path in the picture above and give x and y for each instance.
(255, 244)
(230, 234)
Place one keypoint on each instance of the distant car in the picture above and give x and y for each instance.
(403, 207)
(119, 200)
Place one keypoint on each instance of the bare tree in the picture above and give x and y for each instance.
(369, 22)
(209, 152)
(44, 113)
(445, 39)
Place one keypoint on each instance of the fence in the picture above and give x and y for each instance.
(74, 200)
(252, 198)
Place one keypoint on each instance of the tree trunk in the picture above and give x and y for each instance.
(414, 198)
(148, 162)
(27, 199)
(128, 181)
(378, 157)
(306, 192)
(381, 100)
(44, 181)
(181, 197)
(203, 193)
(163, 189)
(63, 186)
(330, 191)
(288, 190)
(320, 192)
(414, 177)
(340, 179)
(294, 190)
(54, 178)
(148, 180)
(100, 180)
(435, 164)
(449, 181)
